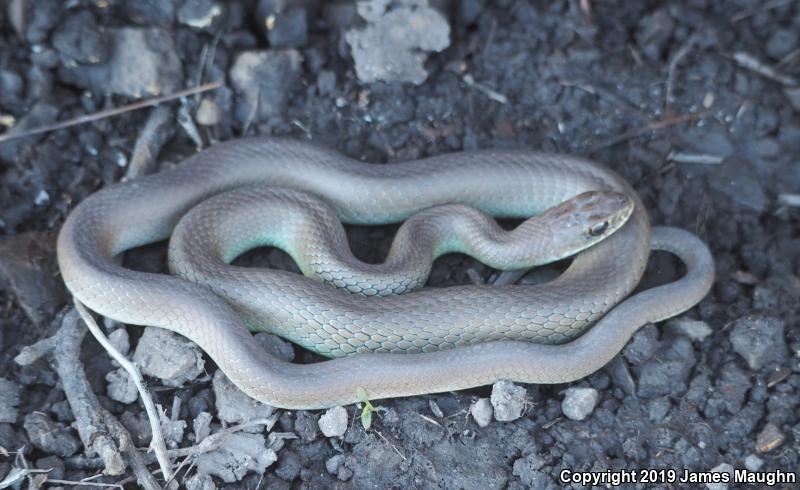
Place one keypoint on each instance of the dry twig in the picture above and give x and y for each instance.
(157, 443)
(109, 112)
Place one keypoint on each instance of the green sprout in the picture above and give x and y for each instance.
(366, 412)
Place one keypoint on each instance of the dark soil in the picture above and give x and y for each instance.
(592, 83)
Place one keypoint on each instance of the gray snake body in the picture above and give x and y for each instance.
(500, 183)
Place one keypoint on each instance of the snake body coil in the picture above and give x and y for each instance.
(500, 183)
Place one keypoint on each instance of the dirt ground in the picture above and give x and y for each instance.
(695, 102)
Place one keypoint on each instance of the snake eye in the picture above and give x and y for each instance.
(598, 229)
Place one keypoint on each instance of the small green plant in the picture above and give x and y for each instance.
(366, 411)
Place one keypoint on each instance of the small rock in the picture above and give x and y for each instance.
(9, 399)
(333, 423)
(79, 39)
(654, 32)
(238, 454)
(28, 265)
(508, 401)
(276, 346)
(164, 355)
(50, 437)
(144, 61)
(579, 402)
(644, 344)
(737, 181)
(305, 425)
(288, 466)
(333, 463)
(200, 481)
(393, 45)
(54, 466)
(286, 26)
(121, 341)
(208, 112)
(138, 425)
(529, 471)
(235, 407)
(721, 468)
(326, 82)
(121, 387)
(781, 43)
(694, 329)
(769, 438)
(481, 412)
(172, 429)
(344, 473)
(200, 14)
(667, 372)
(262, 81)
(753, 462)
(759, 340)
(201, 426)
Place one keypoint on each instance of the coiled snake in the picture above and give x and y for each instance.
(431, 340)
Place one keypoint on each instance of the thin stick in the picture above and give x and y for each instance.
(157, 442)
(110, 112)
(86, 483)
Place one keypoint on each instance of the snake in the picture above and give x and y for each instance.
(431, 340)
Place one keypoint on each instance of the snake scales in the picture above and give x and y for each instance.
(475, 325)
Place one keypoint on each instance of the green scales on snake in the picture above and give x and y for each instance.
(428, 340)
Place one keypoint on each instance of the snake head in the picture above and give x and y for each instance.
(586, 219)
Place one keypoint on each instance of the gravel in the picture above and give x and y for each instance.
(333, 423)
(508, 401)
(579, 402)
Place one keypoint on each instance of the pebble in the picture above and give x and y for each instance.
(28, 266)
(49, 436)
(208, 112)
(579, 402)
(16, 151)
(644, 344)
(9, 399)
(262, 81)
(333, 423)
(121, 387)
(759, 340)
(305, 425)
(276, 346)
(333, 463)
(720, 468)
(288, 466)
(482, 412)
(286, 25)
(200, 481)
(696, 330)
(238, 454)
(54, 466)
(165, 355)
(201, 426)
(781, 42)
(508, 401)
(121, 341)
(769, 438)
(233, 405)
(144, 61)
(200, 14)
(80, 40)
(667, 372)
(753, 462)
(392, 46)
